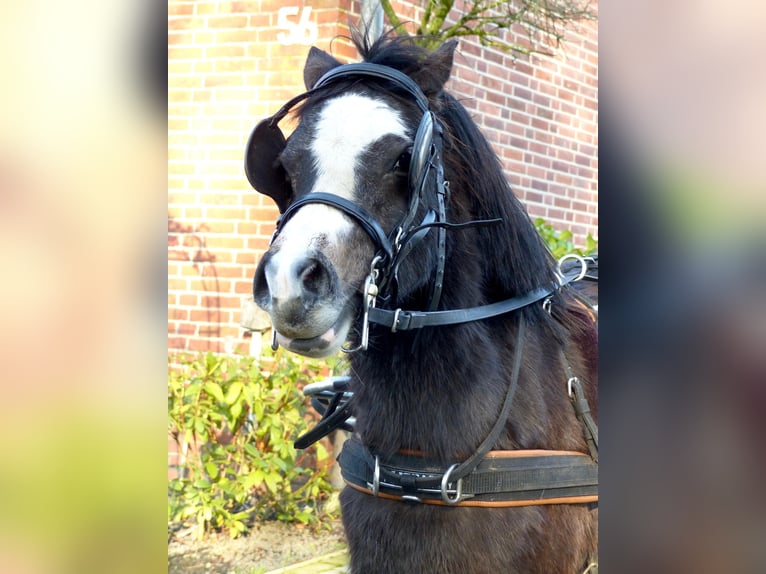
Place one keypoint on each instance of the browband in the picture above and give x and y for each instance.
(367, 69)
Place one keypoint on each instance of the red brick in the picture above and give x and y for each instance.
(223, 52)
(236, 21)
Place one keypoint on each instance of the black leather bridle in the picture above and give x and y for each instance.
(426, 177)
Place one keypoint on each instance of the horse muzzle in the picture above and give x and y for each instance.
(303, 298)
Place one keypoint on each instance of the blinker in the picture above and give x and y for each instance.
(262, 166)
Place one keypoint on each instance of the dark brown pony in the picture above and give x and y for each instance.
(436, 391)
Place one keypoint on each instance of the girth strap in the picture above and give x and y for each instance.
(502, 478)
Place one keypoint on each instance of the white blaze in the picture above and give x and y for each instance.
(346, 127)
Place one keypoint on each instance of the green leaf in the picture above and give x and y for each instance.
(212, 469)
(214, 389)
(322, 454)
(272, 480)
(202, 483)
(233, 393)
(236, 410)
(590, 245)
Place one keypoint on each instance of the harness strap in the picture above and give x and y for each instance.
(401, 320)
(582, 410)
(467, 466)
(334, 418)
(502, 478)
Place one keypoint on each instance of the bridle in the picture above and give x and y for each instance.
(425, 178)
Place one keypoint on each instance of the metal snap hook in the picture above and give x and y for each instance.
(369, 297)
(571, 382)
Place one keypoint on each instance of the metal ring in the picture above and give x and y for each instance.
(583, 265)
(445, 484)
(373, 266)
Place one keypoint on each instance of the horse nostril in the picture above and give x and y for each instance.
(315, 278)
(261, 292)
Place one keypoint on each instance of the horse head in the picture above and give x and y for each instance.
(349, 183)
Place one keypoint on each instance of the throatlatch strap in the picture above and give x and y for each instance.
(401, 320)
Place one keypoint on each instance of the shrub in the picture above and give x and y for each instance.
(235, 420)
(560, 242)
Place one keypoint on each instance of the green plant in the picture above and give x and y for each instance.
(540, 27)
(560, 242)
(234, 420)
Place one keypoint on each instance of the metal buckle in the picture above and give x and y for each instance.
(396, 320)
(375, 486)
(445, 492)
(547, 305)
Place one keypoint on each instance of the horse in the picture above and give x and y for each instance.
(473, 371)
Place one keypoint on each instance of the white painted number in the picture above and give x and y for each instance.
(303, 32)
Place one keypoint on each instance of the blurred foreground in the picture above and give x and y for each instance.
(82, 242)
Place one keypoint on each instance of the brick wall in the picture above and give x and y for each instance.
(233, 63)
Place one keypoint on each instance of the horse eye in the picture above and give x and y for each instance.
(402, 164)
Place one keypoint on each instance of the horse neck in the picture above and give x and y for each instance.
(440, 391)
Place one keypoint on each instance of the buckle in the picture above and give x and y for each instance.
(445, 491)
(375, 485)
(395, 323)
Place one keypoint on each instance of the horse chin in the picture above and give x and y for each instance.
(324, 345)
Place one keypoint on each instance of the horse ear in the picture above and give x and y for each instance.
(436, 69)
(317, 64)
(262, 166)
